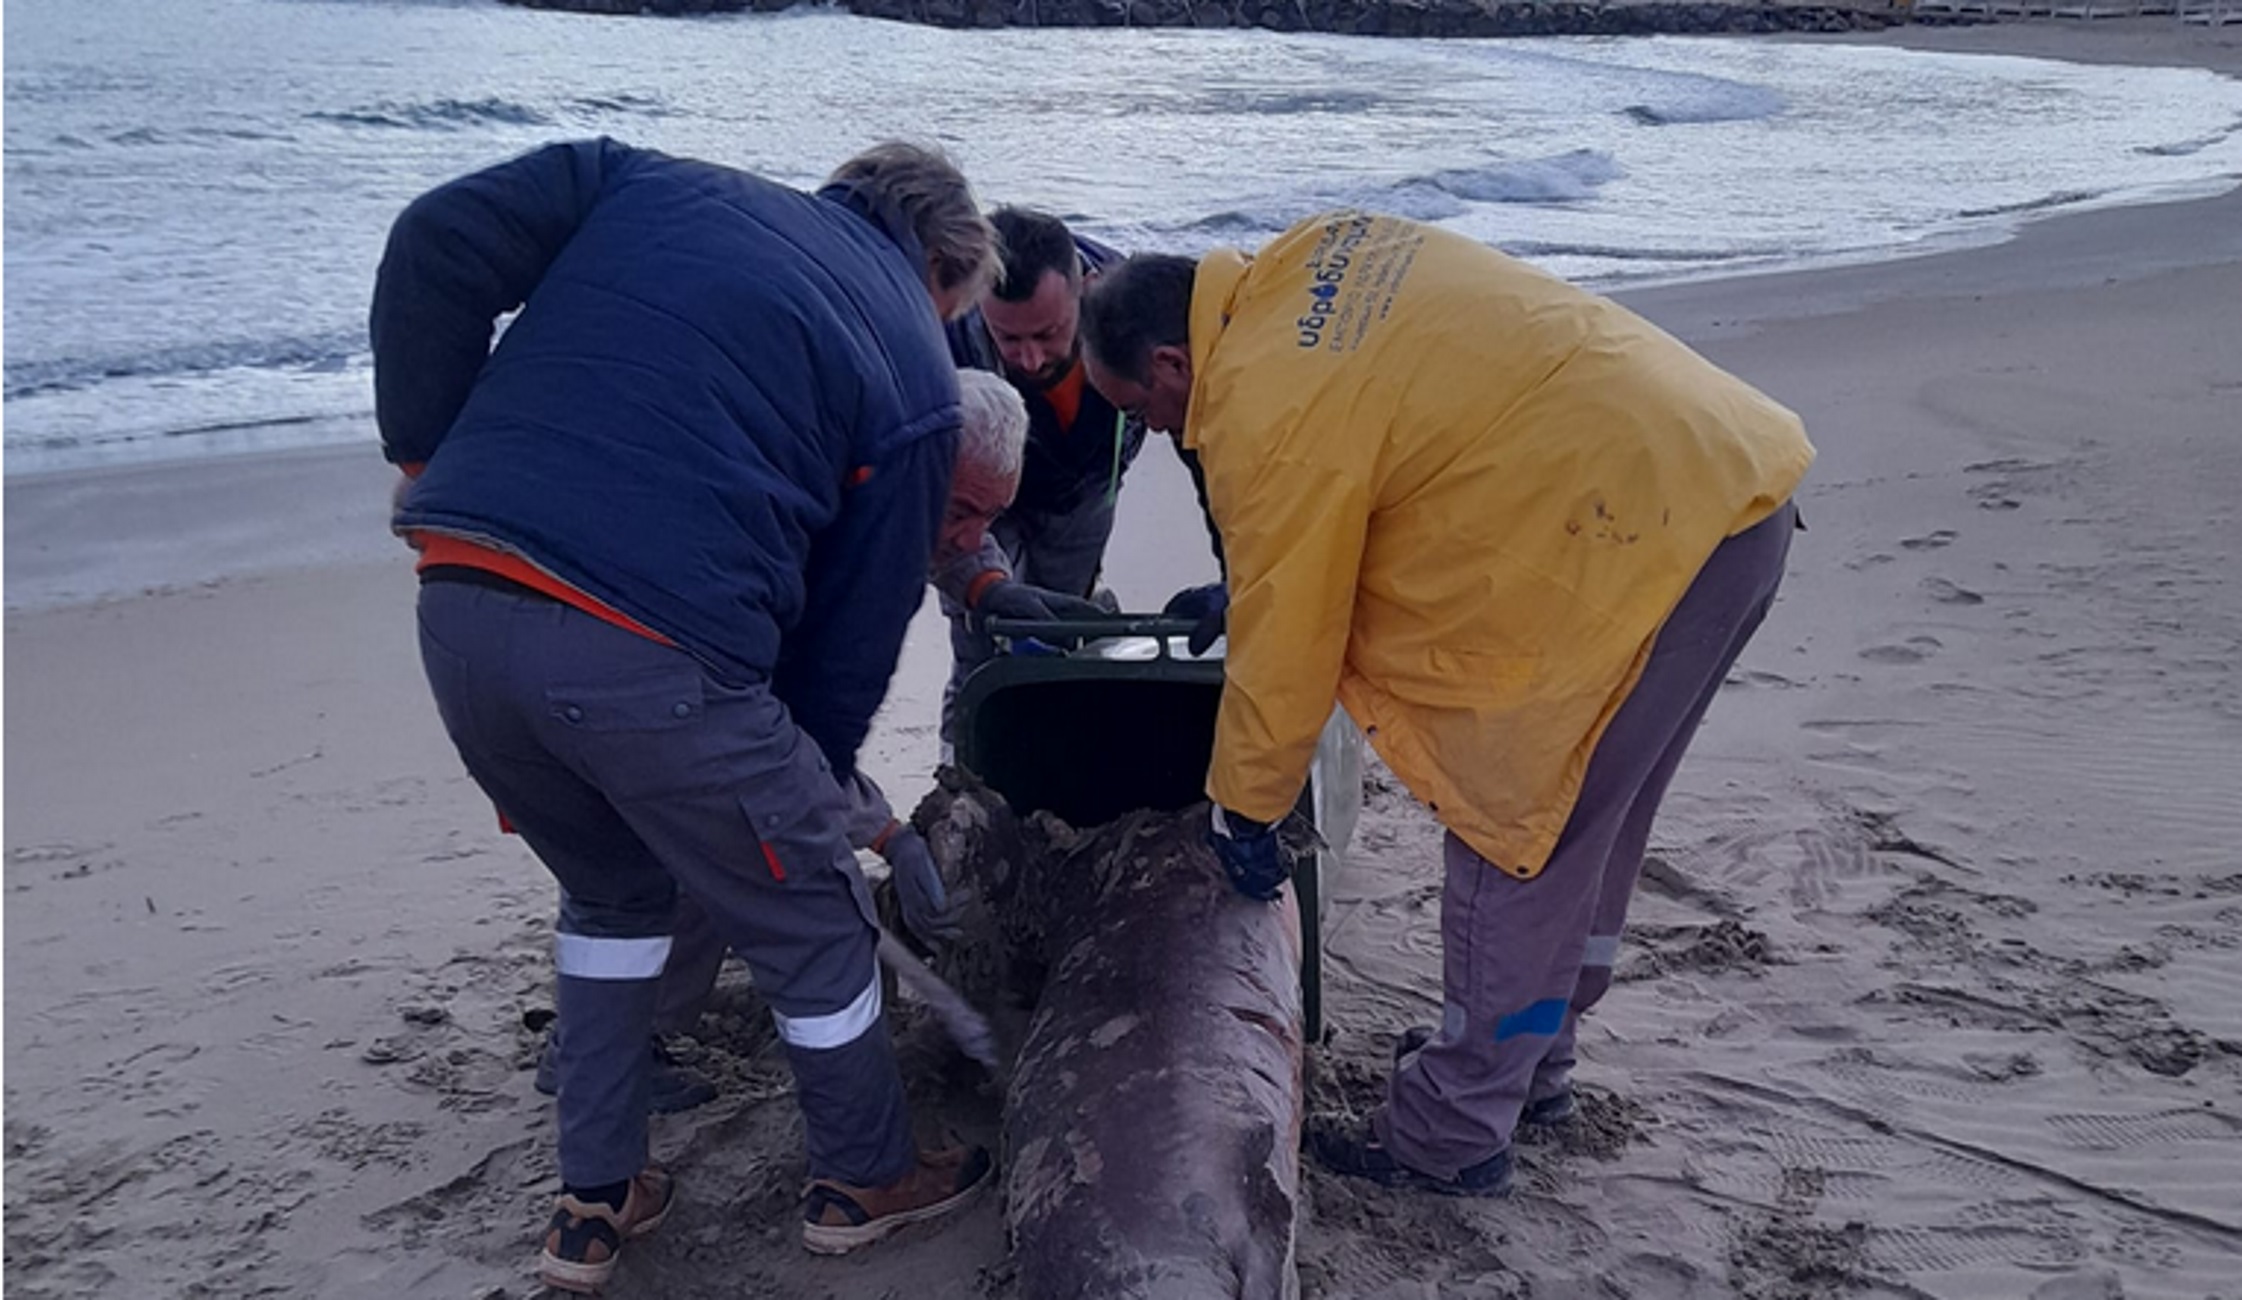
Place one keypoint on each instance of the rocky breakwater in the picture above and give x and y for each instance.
(1350, 17)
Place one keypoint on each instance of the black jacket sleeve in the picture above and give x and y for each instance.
(867, 576)
(1190, 461)
(970, 348)
(458, 258)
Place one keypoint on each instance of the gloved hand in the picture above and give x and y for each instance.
(1210, 605)
(1013, 599)
(928, 909)
(1249, 854)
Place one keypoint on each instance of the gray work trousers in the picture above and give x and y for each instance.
(1057, 552)
(697, 949)
(696, 958)
(630, 772)
(1523, 960)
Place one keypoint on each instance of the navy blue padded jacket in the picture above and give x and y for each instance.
(726, 408)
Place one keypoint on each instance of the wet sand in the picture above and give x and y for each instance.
(1929, 990)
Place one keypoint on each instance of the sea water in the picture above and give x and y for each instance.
(197, 191)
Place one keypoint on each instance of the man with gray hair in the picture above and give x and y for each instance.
(672, 529)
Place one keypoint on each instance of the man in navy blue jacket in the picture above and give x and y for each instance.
(671, 530)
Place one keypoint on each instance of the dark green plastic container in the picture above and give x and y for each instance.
(1126, 721)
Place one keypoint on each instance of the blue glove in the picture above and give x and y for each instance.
(931, 912)
(1249, 854)
(1210, 605)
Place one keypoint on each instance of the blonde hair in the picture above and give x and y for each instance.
(996, 423)
(925, 185)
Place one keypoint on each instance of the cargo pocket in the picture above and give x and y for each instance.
(782, 860)
(799, 818)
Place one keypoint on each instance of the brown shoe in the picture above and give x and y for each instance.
(584, 1238)
(837, 1218)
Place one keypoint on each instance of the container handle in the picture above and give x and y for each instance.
(1056, 631)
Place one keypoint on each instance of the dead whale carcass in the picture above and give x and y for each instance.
(1152, 1116)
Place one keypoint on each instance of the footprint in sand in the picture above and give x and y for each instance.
(30, 853)
(1766, 680)
(1912, 651)
(2001, 1067)
(1933, 541)
(2099, 1132)
(78, 861)
(1948, 593)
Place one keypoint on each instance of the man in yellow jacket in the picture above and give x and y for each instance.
(1521, 535)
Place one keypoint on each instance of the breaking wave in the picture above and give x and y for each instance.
(1570, 177)
(2182, 148)
(1567, 177)
(1542, 250)
(331, 352)
(622, 103)
(1702, 99)
(1258, 102)
(2059, 200)
(438, 115)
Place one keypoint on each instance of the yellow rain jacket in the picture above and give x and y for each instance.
(1460, 496)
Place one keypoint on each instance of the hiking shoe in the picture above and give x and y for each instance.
(584, 1237)
(672, 1089)
(1353, 1150)
(838, 1218)
(675, 1087)
(1557, 1108)
(1412, 1041)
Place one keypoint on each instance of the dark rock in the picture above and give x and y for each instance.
(1439, 18)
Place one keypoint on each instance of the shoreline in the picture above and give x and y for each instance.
(1414, 18)
(170, 525)
(2119, 42)
(2135, 40)
(1927, 991)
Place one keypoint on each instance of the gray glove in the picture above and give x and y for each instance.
(929, 910)
(1013, 599)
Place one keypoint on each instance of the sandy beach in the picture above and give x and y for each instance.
(1930, 989)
